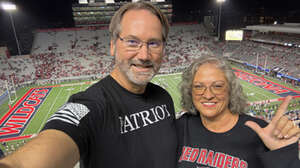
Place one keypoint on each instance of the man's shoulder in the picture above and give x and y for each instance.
(154, 88)
(104, 82)
(91, 94)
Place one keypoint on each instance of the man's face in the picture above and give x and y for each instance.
(139, 66)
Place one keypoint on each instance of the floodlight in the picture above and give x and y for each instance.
(220, 1)
(11, 7)
(8, 6)
(83, 2)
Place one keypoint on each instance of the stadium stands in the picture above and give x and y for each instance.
(65, 53)
(265, 55)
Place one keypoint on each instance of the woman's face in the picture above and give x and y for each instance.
(210, 92)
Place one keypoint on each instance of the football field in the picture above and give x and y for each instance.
(35, 105)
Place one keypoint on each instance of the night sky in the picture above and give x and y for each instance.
(59, 11)
(32, 14)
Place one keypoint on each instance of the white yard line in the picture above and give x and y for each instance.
(176, 91)
(67, 97)
(252, 89)
(70, 94)
(81, 87)
(49, 110)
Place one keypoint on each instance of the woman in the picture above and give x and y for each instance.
(215, 133)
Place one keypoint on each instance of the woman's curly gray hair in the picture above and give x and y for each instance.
(237, 99)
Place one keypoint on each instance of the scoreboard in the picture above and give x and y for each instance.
(100, 13)
(234, 35)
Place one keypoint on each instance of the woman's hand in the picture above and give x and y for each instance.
(280, 132)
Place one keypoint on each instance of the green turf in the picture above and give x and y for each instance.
(170, 83)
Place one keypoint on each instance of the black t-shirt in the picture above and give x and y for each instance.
(239, 147)
(115, 128)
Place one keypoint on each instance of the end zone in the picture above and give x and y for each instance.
(14, 122)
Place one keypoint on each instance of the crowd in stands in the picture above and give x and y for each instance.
(266, 110)
(283, 39)
(264, 55)
(85, 52)
(71, 53)
(8, 148)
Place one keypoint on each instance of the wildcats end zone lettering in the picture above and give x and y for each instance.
(15, 121)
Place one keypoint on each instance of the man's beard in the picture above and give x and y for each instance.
(138, 78)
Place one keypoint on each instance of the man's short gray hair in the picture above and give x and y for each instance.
(115, 23)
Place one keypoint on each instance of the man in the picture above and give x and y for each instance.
(123, 120)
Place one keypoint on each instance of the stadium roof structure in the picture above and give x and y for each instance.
(283, 28)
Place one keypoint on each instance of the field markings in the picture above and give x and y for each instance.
(168, 83)
(253, 89)
(70, 89)
(80, 89)
(175, 92)
(54, 102)
(18, 108)
(258, 78)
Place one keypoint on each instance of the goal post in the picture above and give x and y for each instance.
(11, 91)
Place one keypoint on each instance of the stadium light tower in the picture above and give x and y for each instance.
(7, 6)
(220, 2)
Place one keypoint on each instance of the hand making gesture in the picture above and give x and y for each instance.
(280, 132)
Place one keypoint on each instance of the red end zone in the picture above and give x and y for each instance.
(14, 122)
(275, 88)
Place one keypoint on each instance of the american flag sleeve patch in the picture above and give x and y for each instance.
(70, 113)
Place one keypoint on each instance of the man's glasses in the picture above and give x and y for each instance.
(134, 44)
(217, 88)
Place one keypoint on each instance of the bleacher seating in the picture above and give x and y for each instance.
(85, 51)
